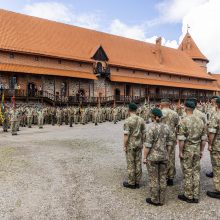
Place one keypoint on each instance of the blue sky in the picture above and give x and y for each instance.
(143, 20)
(129, 12)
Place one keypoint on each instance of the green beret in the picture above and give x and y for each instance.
(218, 101)
(215, 97)
(165, 101)
(132, 106)
(190, 104)
(192, 100)
(157, 112)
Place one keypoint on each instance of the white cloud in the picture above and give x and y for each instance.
(119, 28)
(59, 12)
(175, 10)
(137, 32)
(167, 43)
(205, 30)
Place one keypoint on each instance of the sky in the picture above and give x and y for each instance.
(143, 20)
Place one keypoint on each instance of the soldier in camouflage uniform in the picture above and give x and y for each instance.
(14, 120)
(192, 139)
(211, 112)
(134, 131)
(156, 143)
(29, 117)
(171, 119)
(214, 148)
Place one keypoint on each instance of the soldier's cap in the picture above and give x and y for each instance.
(156, 112)
(215, 97)
(165, 101)
(190, 104)
(218, 101)
(132, 107)
(192, 100)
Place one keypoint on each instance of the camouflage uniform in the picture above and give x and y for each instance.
(214, 127)
(192, 132)
(40, 118)
(158, 137)
(171, 119)
(134, 127)
(14, 120)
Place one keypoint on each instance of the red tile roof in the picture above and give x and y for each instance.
(210, 86)
(189, 46)
(45, 71)
(33, 35)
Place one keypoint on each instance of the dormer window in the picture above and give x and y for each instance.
(12, 55)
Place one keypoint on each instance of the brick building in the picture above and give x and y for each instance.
(55, 61)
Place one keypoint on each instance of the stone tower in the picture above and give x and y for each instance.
(189, 46)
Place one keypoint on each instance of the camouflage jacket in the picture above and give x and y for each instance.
(192, 131)
(214, 127)
(134, 127)
(170, 118)
(201, 115)
(157, 139)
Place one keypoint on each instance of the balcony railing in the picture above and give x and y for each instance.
(95, 100)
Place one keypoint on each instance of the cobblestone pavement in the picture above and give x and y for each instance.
(76, 173)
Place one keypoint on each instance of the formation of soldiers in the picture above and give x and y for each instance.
(158, 128)
(27, 116)
(191, 126)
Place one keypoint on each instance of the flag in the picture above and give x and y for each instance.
(3, 103)
(13, 101)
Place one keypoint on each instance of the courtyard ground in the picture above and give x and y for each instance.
(77, 173)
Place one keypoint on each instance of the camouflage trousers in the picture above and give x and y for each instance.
(134, 166)
(215, 159)
(14, 127)
(29, 121)
(191, 174)
(157, 173)
(40, 121)
(171, 170)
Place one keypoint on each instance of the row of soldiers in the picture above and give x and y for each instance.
(26, 116)
(191, 130)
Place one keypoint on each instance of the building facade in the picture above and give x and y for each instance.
(58, 62)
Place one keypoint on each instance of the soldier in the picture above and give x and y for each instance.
(53, 116)
(14, 120)
(40, 117)
(171, 119)
(192, 139)
(59, 116)
(29, 117)
(214, 148)
(157, 141)
(71, 116)
(211, 112)
(134, 130)
(115, 115)
(5, 122)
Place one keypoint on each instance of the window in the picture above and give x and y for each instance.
(80, 64)
(134, 71)
(13, 82)
(11, 55)
(159, 75)
(117, 69)
(189, 78)
(59, 61)
(36, 58)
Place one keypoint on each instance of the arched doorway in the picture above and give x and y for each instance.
(63, 89)
(80, 95)
(117, 94)
(31, 89)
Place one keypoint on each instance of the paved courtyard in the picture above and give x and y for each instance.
(76, 173)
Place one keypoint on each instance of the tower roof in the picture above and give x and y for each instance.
(189, 46)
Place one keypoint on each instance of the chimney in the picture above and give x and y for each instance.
(158, 50)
